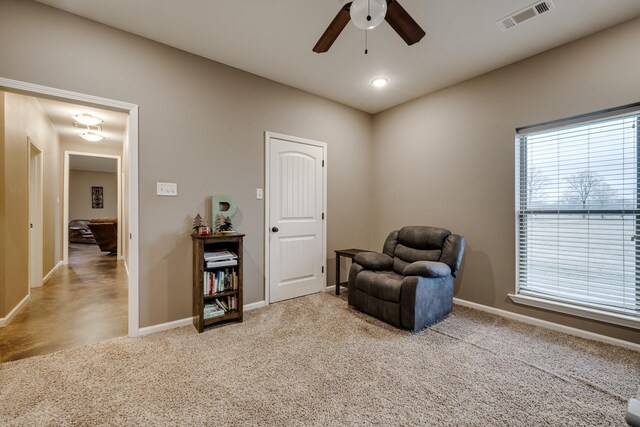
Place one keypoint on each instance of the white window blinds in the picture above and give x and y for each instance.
(578, 237)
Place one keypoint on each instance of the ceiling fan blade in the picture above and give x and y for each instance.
(333, 30)
(403, 23)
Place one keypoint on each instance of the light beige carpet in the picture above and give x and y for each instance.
(314, 361)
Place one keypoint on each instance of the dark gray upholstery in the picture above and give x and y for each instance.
(410, 284)
(427, 269)
(374, 261)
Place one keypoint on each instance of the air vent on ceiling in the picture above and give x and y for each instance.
(525, 14)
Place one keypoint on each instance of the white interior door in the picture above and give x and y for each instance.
(296, 229)
(35, 216)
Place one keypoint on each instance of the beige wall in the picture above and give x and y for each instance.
(80, 183)
(447, 159)
(201, 125)
(17, 208)
(3, 218)
(24, 119)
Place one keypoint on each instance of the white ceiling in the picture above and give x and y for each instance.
(59, 113)
(93, 164)
(274, 38)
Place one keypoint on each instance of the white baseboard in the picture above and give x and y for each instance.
(53, 270)
(165, 326)
(254, 305)
(188, 321)
(4, 321)
(126, 268)
(576, 310)
(548, 325)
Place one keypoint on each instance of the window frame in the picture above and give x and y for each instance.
(557, 304)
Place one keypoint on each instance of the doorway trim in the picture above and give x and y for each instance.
(36, 243)
(268, 136)
(131, 166)
(65, 190)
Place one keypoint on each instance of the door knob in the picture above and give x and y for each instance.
(274, 229)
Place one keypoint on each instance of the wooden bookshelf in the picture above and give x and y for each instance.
(210, 243)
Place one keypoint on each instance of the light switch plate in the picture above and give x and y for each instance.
(259, 193)
(166, 189)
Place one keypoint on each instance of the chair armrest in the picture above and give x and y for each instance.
(633, 412)
(427, 269)
(374, 260)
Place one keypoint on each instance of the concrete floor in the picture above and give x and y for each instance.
(82, 303)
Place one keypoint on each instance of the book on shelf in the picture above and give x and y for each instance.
(222, 258)
(223, 304)
(222, 263)
(220, 281)
(219, 255)
(212, 310)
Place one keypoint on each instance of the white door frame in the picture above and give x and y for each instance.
(131, 167)
(36, 243)
(267, 178)
(65, 232)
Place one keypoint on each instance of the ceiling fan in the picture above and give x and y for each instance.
(357, 10)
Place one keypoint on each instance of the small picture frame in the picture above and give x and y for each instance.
(97, 200)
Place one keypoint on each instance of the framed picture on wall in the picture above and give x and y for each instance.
(96, 198)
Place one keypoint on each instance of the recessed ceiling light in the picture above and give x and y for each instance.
(380, 82)
(87, 119)
(92, 136)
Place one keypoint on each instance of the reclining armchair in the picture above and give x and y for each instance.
(409, 284)
(105, 231)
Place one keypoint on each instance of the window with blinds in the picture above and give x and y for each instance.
(578, 237)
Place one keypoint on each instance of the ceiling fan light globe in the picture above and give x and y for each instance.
(368, 14)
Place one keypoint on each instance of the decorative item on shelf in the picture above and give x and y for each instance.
(204, 229)
(200, 227)
(197, 222)
(222, 209)
(223, 224)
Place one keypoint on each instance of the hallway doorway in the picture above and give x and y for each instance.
(92, 293)
(35, 215)
(93, 201)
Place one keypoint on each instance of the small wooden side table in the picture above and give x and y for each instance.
(347, 253)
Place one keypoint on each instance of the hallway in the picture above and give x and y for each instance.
(82, 303)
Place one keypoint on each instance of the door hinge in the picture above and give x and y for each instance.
(322, 215)
(323, 163)
(323, 269)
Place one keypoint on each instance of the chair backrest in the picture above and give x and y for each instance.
(423, 243)
(105, 234)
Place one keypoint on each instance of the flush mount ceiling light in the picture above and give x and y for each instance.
(368, 14)
(91, 135)
(379, 82)
(87, 119)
